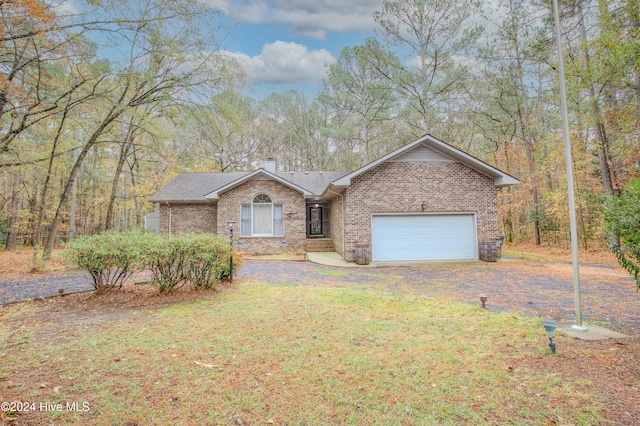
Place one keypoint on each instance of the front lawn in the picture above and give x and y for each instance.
(262, 354)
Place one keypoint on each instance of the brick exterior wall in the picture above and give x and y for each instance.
(189, 218)
(335, 223)
(294, 216)
(403, 187)
(387, 188)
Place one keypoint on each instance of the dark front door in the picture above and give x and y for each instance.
(315, 221)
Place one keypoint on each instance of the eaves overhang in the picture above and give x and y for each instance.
(500, 178)
(215, 195)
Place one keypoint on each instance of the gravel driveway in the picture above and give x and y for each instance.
(530, 288)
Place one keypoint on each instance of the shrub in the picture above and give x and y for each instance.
(201, 259)
(208, 260)
(166, 258)
(622, 217)
(109, 257)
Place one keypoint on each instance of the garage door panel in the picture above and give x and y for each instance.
(423, 237)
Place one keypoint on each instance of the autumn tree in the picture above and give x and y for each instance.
(432, 36)
(169, 62)
(356, 90)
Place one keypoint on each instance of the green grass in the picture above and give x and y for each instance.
(535, 257)
(331, 272)
(299, 355)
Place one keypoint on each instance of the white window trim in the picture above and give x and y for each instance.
(251, 204)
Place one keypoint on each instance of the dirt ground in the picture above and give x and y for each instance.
(612, 368)
(562, 254)
(21, 262)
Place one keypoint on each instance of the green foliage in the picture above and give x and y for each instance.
(208, 260)
(200, 259)
(165, 257)
(3, 230)
(622, 217)
(111, 257)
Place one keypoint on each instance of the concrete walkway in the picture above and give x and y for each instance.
(332, 259)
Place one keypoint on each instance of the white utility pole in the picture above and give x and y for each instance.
(569, 164)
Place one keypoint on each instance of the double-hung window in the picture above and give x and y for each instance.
(262, 217)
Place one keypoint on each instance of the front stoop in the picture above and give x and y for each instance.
(318, 245)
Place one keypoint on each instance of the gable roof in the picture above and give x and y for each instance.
(204, 187)
(215, 194)
(500, 178)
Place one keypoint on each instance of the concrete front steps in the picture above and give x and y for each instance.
(318, 245)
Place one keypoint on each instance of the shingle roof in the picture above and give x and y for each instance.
(314, 182)
(192, 187)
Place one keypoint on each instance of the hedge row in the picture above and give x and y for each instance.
(202, 260)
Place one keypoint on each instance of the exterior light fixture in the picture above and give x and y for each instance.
(423, 206)
(550, 326)
(231, 222)
(483, 299)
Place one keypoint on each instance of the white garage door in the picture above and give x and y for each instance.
(423, 237)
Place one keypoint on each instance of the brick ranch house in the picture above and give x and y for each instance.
(424, 201)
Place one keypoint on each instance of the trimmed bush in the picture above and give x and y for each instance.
(200, 259)
(208, 262)
(112, 257)
(166, 258)
(109, 257)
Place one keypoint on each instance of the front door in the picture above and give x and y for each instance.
(315, 221)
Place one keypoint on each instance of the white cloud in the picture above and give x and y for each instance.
(415, 62)
(313, 18)
(284, 62)
(67, 7)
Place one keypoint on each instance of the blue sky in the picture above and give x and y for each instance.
(287, 44)
(284, 44)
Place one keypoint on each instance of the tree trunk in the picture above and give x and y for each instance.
(45, 186)
(124, 150)
(528, 136)
(600, 130)
(13, 213)
(55, 224)
(133, 172)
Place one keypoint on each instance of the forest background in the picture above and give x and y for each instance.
(101, 108)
